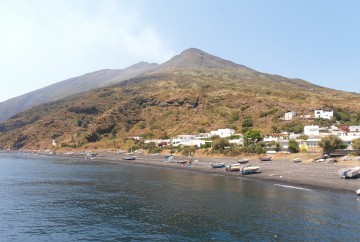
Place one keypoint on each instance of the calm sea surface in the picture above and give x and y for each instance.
(56, 199)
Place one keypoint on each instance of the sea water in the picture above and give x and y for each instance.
(59, 199)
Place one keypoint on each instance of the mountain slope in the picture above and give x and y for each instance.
(194, 59)
(184, 95)
(69, 87)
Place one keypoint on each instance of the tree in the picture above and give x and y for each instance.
(356, 145)
(252, 136)
(220, 143)
(330, 143)
(293, 146)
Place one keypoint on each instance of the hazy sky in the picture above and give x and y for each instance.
(43, 41)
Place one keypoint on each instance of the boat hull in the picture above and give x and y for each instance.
(266, 158)
(129, 158)
(296, 160)
(243, 161)
(220, 165)
(349, 173)
(249, 170)
(233, 167)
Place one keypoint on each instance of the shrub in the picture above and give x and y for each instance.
(234, 117)
(356, 145)
(304, 137)
(330, 143)
(93, 137)
(293, 146)
(220, 144)
(247, 123)
(252, 136)
(293, 126)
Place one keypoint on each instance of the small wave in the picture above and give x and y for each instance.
(293, 187)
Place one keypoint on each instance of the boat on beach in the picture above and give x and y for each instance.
(218, 165)
(182, 162)
(233, 167)
(296, 160)
(265, 158)
(129, 158)
(243, 161)
(249, 170)
(349, 172)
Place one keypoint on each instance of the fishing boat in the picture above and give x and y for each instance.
(182, 161)
(233, 167)
(265, 158)
(243, 161)
(219, 165)
(296, 160)
(357, 192)
(249, 170)
(129, 158)
(350, 172)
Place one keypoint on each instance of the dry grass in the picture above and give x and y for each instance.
(167, 103)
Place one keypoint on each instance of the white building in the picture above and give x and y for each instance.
(348, 140)
(223, 133)
(289, 115)
(188, 140)
(203, 136)
(312, 130)
(181, 139)
(237, 141)
(157, 141)
(312, 142)
(323, 114)
(354, 128)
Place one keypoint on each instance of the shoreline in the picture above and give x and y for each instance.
(313, 176)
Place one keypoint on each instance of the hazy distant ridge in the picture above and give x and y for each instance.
(69, 87)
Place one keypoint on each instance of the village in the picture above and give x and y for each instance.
(308, 141)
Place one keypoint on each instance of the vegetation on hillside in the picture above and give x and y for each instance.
(172, 101)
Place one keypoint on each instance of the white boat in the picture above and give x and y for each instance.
(233, 167)
(243, 161)
(249, 170)
(357, 192)
(296, 160)
(129, 158)
(265, 158)
(349, 172)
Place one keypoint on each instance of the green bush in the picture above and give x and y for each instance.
(251, 137)
(220, 143)
(330, 143)
(293, 146)
(293, 126)
(356, 145)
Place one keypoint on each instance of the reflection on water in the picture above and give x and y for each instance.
(57, 199)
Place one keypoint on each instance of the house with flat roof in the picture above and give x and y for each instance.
(319, 113)
(313, 130)
(289, 115)
(223, 133)
(354, 128)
